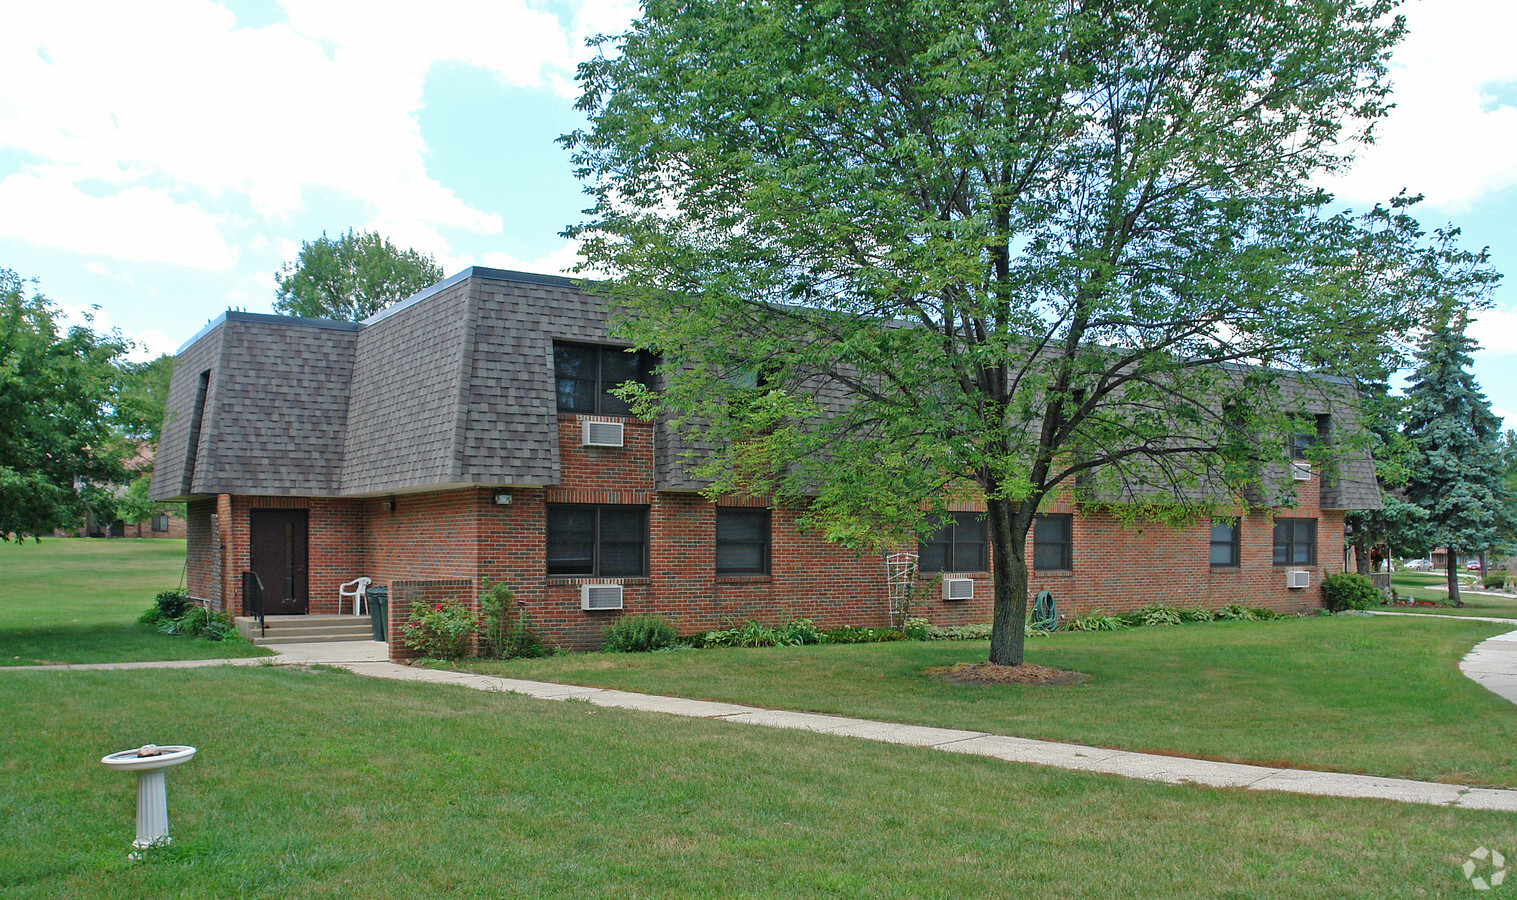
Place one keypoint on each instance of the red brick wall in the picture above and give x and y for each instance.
(201, 579)
(334, 538)
(460, 537)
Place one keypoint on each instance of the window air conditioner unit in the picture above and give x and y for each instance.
(958, 588)
(1301, 470)
(1298, 578)
(602, 434)
(600, 596)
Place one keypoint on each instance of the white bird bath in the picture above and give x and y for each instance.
(149, 762)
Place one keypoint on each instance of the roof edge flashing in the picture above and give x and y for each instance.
(483, 273)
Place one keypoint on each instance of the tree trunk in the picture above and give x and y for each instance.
(1361, 556)
(1008, 549)
(1451, 566)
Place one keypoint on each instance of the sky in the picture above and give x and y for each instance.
(160, 159)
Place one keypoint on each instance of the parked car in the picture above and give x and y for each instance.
(1417, 564)
(1472, 566)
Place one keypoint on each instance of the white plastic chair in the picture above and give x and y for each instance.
(358, 589)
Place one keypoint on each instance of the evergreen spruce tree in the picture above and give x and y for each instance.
(1457, 475)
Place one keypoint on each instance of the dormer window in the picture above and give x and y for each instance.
(584, 375)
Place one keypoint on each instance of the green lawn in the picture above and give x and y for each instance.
(69, 600)
(1434, 586)
(1380, 695)
(323, 784)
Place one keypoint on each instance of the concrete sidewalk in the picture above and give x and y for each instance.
(369, 658)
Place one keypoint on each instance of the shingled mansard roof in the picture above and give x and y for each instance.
(453, 386)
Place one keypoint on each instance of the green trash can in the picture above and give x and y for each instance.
(379, 613)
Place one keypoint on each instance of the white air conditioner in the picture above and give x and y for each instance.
(1298, 578)
(602, 434)
(958, 588)
(600, 596)
(1301, 470)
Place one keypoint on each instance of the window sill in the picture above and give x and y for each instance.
(754, 578)
(577, 580)
(928, 576)
(1050, 573)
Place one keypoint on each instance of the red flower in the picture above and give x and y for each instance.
(438, 606)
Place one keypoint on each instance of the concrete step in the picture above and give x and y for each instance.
(306, 629)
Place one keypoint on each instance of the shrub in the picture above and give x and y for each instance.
(172, 603)
(1157, 614)
(1197, 614)
(1494, 579)
(503, 635)
(755, 634)
(1347, 590)
(1235, 612)
(639, 634)
(440, 631)
(1099, 620)
(917, 629)
(797, 632)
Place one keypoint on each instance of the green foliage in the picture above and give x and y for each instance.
(1347, 590)
(796, 633)
(440, 631)
(351, 277)
(1197, 614)
(640, 634)
(1458, 474)
(916, 628)
(1111, 190)
(191, 620)
(58, 452)
(172, 603)
(141, 398)
(1495, 579)
(1157, 614)
(1097, 621)
(1235, 612)
(504, 632)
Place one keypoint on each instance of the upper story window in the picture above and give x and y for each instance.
(1302, 443)
(742, 541)
(584, 375)
(1295, 542)
(601, 541)
(1053, 542)
(1224, 544)
(958, 546)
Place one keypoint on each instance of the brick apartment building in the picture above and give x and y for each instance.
(467, 433)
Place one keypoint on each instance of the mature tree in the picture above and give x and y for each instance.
(1028, 246)
(56, 389)
(1458, 475)
(1398, 525)
(138, 412)
(142, 391)
(352, 277)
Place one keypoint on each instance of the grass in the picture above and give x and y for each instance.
(322, 784)
(1434, 586)
(69, 600)
(1380, 695)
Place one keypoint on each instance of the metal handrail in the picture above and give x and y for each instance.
(252, 599)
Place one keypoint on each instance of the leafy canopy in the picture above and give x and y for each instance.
(59, 454)
(351, 277)
(891, 250)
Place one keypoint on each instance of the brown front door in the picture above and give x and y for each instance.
(277, 552)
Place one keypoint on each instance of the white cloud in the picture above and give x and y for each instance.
(172, 98)
(556, 262)
(1496, 331)
(1448, 137)
(137, 223)
(104, 271)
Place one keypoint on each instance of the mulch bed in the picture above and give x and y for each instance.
(987, 674)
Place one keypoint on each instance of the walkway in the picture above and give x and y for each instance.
(1492, 663)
